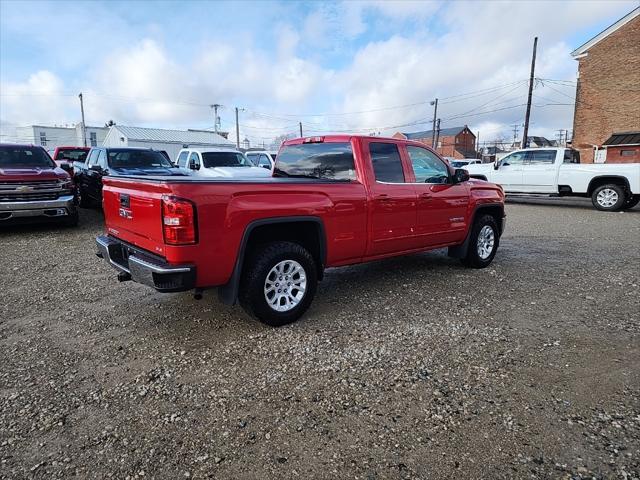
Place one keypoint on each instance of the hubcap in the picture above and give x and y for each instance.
(285, 285)
(486, 240)
(607, 197)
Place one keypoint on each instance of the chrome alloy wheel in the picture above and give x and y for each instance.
(607, 197)
(486, 241)
(285, 285)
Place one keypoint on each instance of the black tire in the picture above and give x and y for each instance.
(473, 258)
(83, 200)
(631, 202)
(612, 191)
(252, 295)
(71, 220)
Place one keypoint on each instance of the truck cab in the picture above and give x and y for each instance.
(219, 163)
(557, 171)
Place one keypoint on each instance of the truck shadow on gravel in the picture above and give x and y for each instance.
(90, 219)
(565, 202)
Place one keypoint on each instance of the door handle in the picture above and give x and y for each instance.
(383, 197)
(425, 196)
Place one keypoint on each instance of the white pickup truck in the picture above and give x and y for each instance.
(558, 172)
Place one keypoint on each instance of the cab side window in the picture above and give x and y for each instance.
(516, 158)
(386, 161)
(182, 159)
(427, 167)
(542, 157)
(264, 161)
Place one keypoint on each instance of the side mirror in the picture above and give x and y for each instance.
(67, 167)
(193, 165)
(266, 166)
(96, 168)
(496, 164)
(460, 175)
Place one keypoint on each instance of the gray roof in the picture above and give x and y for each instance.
(624, 138)
(444, 132)
(172, 136)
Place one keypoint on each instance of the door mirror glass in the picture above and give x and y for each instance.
(460, 175)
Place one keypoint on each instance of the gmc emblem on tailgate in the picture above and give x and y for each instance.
(124, 213)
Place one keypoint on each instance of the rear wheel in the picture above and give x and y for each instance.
(483, 242)
(609, 197)
(278, 283)
(632, 201)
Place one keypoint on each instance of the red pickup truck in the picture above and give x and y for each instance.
(332, 201)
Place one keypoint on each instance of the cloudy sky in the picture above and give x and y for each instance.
(357, 66)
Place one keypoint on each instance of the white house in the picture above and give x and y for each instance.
(52, 137)
(171, 141)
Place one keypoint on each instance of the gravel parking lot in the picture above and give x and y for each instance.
(407, 368)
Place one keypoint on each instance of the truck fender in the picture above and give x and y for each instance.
(460, 251)
(228, 293)
(601, 179)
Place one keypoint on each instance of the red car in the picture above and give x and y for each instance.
(332, 201)
(65, 156)
(32, 187)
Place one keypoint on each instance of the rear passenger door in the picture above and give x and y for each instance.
(442, 206)
(540, 172)
(393, 201)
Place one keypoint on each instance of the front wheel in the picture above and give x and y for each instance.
(483, 243)
(278, 283)
(608, 198)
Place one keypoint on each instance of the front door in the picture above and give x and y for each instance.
(540, 172)
(509, 172)
(393, 204)
(441, 205)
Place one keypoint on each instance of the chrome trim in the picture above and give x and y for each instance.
(103, 250)
(62, 202)
(156, 268)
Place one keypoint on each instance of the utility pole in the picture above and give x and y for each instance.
(560, 135)
(515, 133)
(237, 131)
(437, 132)
(84, 128)
(300, 124)
(433, 130)
(216, 119)
(531, 77)
(478, 144)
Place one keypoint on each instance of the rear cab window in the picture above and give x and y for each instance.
(571, 156)
(322, 160)
(387, 163)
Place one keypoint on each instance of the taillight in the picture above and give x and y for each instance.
(179, 224)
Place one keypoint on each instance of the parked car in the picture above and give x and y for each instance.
(333, 201)
(220, 163)
(463, 163)
(33, 187)
(101, 162)
(558, 172)
(66, 156)
(262, 158)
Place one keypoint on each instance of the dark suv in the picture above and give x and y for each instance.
(103, 161)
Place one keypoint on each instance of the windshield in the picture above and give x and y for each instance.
(30, 157)
(224, 159)
(138, 159)
(78, 155)
(332, 160)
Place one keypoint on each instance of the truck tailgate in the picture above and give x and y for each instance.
(133, 211)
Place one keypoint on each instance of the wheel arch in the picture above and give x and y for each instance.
(606, 179)
(496, 210)
(309, 232)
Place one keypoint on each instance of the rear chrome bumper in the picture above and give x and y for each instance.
(145, 268)
(62, 207)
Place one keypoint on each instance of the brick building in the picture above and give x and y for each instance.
(608, 91)
(623, 147)
(455, 142)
